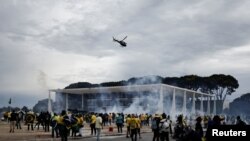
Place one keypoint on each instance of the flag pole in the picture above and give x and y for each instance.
(10, 104)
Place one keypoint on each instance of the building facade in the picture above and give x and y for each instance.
(150, 98)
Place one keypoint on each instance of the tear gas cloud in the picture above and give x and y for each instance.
(134, 102)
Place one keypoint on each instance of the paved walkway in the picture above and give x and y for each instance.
(112, 131)
(40, 135)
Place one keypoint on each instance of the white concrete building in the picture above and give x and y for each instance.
(150, 98)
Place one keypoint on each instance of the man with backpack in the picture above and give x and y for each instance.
(165, 128)
(119, 123)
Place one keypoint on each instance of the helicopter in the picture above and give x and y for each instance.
(121, 42)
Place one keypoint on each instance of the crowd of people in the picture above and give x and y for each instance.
(181, 128)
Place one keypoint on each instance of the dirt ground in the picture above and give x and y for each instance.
(23, 134)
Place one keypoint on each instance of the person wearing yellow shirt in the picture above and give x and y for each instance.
(110, 118)
(81, 125)
(92, 124)
(63, 131)
(8, 116)
(127, 123)
(138, 120)
(133, 128)
(142, 119)
(54, 121)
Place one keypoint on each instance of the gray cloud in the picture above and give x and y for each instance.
(72, 41)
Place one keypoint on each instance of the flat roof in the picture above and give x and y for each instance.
(129, 88)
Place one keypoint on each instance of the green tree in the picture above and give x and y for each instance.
(191, 82)
(171, 81)
(207, 85)
(222, 85)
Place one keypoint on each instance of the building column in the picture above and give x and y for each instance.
(49, 103)
(201, 106)
(193, 105)
(66, 103)
(173, 110)
(160, 105)
(208, 105)
(214, 111)
(82, 102)
(184, 109)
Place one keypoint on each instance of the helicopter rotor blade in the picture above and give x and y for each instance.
(124, 38)
(114, 39)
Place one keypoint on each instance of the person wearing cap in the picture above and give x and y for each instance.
(165, 128)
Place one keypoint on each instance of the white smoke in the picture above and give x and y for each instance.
(146, 104)
(42, 79)
(59, 104)
(140, 102)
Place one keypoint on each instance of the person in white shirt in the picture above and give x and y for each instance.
(98, 126)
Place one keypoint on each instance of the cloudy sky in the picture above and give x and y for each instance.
(49, 44)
